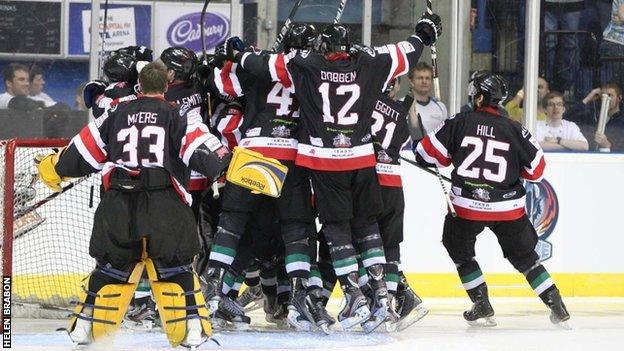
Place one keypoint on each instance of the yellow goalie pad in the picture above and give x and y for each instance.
(171, 301)
(253, 171)
(110, 306)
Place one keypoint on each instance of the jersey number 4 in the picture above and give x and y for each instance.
(344, 117)
(465, 169)
(130, 136)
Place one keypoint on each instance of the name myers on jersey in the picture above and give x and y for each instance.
(143, 118)
(337, 77)
(383, 108)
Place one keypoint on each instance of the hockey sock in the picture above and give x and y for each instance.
(223, 249)
(392, 276)
(369, 244)
(252, 277)
(283, 283)
(143, 289)
(363, 277)
(471, 277)
(296, 249)
(540, 281)
(315, 281)
(268, 281)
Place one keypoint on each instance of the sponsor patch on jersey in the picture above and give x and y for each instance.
(525, 132)
(383, 157)
(481, 194)
(366, 138)
(509, 195)
(213, 144)
(281, 131)
(342, 141)
(316, 141)
(253, 132)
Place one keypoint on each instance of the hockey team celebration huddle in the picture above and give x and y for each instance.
(278, 169)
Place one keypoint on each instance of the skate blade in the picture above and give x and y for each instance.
(142, 326)
(361, 315)
(254, 305)
(486, 322)
(324, 327)
(414, 316)
(563, 325)
(294, 319)
(378, 318)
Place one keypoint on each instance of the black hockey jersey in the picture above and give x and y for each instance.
(490, 154)
(227, 123)
(271, 110)
(191, 97)
(148, 132)
(390, 133)
(112, 94)
(336, 99)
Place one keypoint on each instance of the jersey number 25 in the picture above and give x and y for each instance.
(465, 169)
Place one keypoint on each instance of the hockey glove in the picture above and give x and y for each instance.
(233, 44)
(429, 28)
(92, 91)
(47, 171)
(140, 53)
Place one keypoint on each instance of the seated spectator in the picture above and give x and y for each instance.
(555, 133)
(514, 106)
(425, 111)
(587, 113)
(15, 82)
(36, 87)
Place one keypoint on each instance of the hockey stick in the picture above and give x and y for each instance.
(414, 163)
(341, 8)
(202, 27)
(102, 50)
(287, 23)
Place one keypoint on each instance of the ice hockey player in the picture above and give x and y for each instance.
(336, 94)
(390, 133)
(490, 154)
(145, 151)
(271, 112)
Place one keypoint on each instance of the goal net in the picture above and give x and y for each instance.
(45, 241)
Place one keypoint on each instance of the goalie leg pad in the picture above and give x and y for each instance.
(105, 297)
(253, 171)
(179, 299)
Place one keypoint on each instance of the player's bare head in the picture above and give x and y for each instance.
(488, 90)
(335, 38)
(180, 61)
(300, 36)
(153, 78)
(120, 67)
(16, 79)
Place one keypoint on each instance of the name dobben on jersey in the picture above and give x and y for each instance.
(336, 77)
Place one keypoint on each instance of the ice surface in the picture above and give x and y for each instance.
(597, 324)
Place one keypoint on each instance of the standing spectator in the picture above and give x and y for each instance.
(514, 106)
(15, 81)
(587, 113)
(36, 87)
(612, 44)
(555, 133)
(425, 109)
(562, 51)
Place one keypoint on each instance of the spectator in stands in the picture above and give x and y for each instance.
(16, 83)
(555, 133)
(426, 110)
(514, 106)
(612, 44)
(587, 114)
(562, 51)
(36, 87)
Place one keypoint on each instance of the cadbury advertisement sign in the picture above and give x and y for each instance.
(186, 31)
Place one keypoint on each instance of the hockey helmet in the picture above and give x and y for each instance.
(491, 86)
(121, 68)
(300, 36)
(181, 60)
(140, 53)
(335, 38)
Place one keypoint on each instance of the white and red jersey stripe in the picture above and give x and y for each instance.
(398, 54)
(278, 148)
(487, 211)
(389, 174)
(535, 172)
(432, 151)
(227, 81)
(335, 159)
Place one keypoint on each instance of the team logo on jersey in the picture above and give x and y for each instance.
(542, 208)
(383, 157)
(280, 131)
(481, 194)
(342, 140)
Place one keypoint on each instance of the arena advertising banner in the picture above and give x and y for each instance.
(127, 24)
(178, 24)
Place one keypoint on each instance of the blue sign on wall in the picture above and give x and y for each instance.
(121, 28)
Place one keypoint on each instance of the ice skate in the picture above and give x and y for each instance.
(298, 314)
(408, 305)
(194, 334)
(281, 316)
(81, 335)
(322, 319)
(355, 309)
(142, 315)
(379, 303)
(270, 308)
(230, 315)
(251, 298)
(559, 315)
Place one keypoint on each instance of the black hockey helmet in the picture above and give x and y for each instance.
(300, 36)
(335, 37)
(492, 86)
(121, 68)
(181, 60)
(140, 53)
